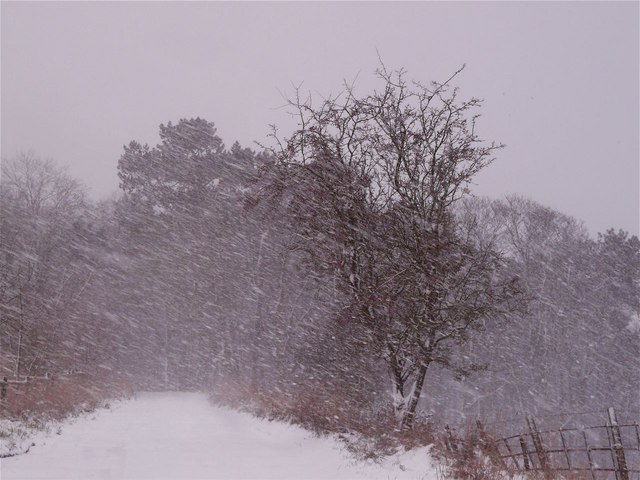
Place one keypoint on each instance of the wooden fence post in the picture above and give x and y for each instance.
(482, 440)
(525, 453)
(616, 437)
(451, 442)
(537, 444)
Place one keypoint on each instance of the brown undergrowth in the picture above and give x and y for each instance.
(59, 396)
(38, 406)
(368, 431)
(371, 433)
(470, 456)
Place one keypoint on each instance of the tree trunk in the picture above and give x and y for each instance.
(399, 401)
(398, 384)
(409, 415)
(19, 356)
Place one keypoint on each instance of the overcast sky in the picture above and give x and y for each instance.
(559, 80)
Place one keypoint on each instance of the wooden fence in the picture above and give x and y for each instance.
(608, 451)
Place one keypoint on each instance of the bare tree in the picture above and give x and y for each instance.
(40, 276)
(369, 183)
(38, 184)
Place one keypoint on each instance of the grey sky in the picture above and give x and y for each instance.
(559, 80)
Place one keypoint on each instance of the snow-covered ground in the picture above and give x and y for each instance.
(182, 436)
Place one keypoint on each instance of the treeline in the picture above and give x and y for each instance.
(344, 277)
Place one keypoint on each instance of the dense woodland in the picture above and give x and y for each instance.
(345, 270)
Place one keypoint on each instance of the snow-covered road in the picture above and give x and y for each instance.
(182, 436)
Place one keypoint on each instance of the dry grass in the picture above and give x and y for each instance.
(58, 397)
(40, 405)
(368, 432)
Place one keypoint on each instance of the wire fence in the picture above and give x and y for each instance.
(606, 450)
(598, 452)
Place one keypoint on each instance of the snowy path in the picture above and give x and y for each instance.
(182, 436)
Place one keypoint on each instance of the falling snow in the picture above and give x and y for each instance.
(341, 283)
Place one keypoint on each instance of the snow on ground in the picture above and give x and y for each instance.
(182, 436)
